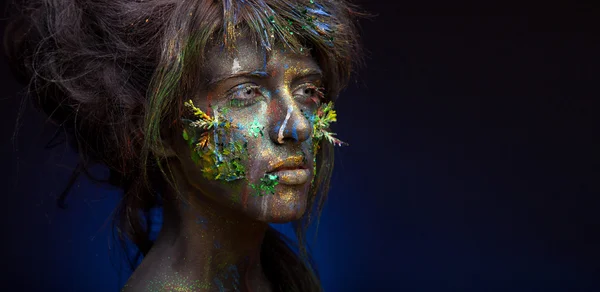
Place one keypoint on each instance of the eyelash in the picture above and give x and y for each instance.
(241, 102)
(317, 92)
(317, 95)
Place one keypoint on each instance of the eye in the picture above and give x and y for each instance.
(308, 91)
(244, 94)
(245, 91)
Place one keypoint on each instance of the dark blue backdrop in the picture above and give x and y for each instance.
(471, 167)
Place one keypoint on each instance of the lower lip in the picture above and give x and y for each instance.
(292, 176)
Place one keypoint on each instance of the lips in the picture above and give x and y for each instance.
(291, 171)
(292, 176)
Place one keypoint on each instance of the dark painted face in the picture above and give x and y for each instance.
(248, 138)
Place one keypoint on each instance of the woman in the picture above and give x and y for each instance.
(216, 111)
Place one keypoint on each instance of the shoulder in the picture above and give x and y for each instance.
(136, 281)
(147, 273)
(160, 274)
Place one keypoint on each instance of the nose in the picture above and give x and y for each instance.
(288, 123)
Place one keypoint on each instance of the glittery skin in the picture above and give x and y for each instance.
(256, 129)
(177, 282)
(252, 126)
(255, 122)
(219, 140)
(266, 186)
(215, 145)
(257, 115)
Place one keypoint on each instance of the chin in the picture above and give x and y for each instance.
(285, 216)
(287, 204)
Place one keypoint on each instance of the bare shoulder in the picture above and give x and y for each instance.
(139, 279)
(155, 274)
(149, 275)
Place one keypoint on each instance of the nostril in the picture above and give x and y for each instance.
(289, 140)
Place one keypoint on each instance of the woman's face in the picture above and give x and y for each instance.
(253, 150)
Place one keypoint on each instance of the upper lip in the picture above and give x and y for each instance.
(292, 162)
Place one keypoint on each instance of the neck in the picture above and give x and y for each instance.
(210, 244)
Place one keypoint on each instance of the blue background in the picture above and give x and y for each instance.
(473, 166)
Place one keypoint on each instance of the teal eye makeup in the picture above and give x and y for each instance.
(308, 92)
(244, 95)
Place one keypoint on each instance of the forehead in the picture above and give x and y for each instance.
(248, 57)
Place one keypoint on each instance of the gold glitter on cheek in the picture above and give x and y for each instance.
(265, 154)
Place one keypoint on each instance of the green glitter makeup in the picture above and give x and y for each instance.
(325, 116)
(266, 186)
(255, 129)
(321, 120)
(218, 152)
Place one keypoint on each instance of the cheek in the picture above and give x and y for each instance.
(219, 169)
(253, 129)
(231, 150)
(223, 159)
(230, 160)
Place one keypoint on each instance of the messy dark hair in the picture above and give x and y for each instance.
(114, 75)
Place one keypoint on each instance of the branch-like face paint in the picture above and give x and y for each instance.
(216, 145)
(253, 142)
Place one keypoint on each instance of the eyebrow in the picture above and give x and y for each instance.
(255, 74)
(303, 73)
(308, 72)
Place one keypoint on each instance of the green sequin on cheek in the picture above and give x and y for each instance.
(266, 186)
(256, 129)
